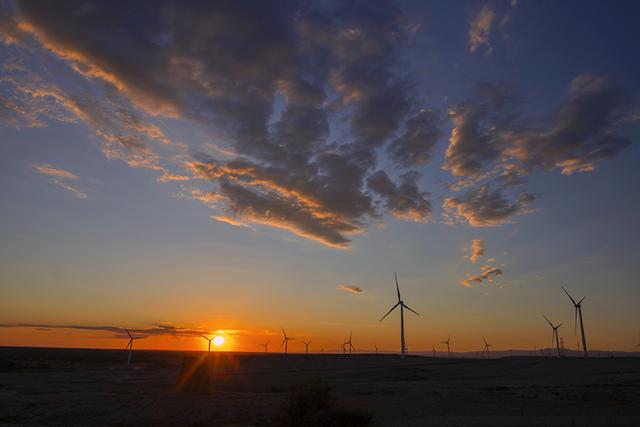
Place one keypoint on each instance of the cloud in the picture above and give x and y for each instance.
(480, 30)
(492, 144)
(487, 273)
(266, 80)
(413, 147)
(350, 288)
(477, 250)
(159, 329)
(485, 207)
(404, 201)
(490, 136)
(59, 177)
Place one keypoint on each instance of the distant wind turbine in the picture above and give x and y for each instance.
(285, 341)
(433, 351)
(448, 343)
(351, 347)
(486, 348)
(130, 344)
(578, 313)
(638, 345)
(208, 339)
(376, 347)
(265, 346)
(554, 335)
(306, 346)
(402, 307)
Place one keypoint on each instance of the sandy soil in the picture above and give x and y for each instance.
(97, 388)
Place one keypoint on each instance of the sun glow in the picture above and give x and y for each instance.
(218, 341)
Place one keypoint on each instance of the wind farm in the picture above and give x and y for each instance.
(206, 206)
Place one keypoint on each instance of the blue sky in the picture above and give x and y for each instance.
(334, 145)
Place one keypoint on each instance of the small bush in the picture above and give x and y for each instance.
(312, 405)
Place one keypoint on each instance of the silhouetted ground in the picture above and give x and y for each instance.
(97, 388)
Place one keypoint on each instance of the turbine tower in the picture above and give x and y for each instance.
(208, 339)
(578, 313)
(285, 341)
(265, 346)
(130, 344)
(486, 348)
(448, 343)
(402, 307)
(306, 346)
(554, 335)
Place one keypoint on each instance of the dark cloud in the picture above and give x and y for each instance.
(485, 207)
(492, 141)
(414, 145)
(491, 137)
(160, 329)
(404, 201)
(270, 80)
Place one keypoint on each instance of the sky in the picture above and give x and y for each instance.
(234, 168)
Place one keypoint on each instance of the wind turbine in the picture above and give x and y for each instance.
(351, 347)
(486, 348)
(306, 346)
(285, 341)
(578, 312)
(265, 345)
(448, 343)
(554, 335)
(402, 307)
(433, 351)
(376, 347)
(208, 339)
(130, 344)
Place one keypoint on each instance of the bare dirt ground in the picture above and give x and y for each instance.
(97, 388)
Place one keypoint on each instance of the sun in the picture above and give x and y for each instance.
(218, 341)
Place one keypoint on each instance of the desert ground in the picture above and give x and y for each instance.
(40, 387)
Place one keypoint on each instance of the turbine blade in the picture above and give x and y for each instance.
(392, 308)
(397, 286)
(548, 321)
(485, 341)
(206, 338)
(410, 309)
(284, 333)
(283, 341)
(570, 297)
(580, 302)
(128, 333)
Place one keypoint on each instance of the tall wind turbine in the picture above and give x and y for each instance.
(285, 341)
(130, 344)
(306, 346)
(554, 335)
(265, 346)
(486, 348)
(578, 313)
(351, 347)
(402, 307)
(448, 343)
(208, 339)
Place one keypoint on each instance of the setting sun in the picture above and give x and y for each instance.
(218, 341)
